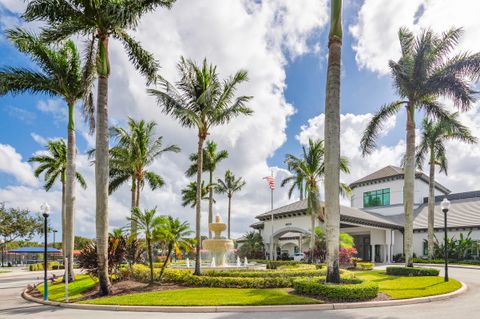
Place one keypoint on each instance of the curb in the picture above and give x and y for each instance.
(277, 308)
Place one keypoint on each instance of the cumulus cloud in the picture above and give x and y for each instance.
(11, 163)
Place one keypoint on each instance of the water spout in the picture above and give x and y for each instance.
(188, 263)
(239, 264)
(245, 261)
(213, 265)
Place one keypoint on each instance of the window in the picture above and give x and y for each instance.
(376, 198)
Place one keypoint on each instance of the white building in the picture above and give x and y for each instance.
(375, 218)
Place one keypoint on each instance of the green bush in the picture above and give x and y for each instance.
(412, 271)
(274, 264)
(348, 290)
(442, 261)
(365, 265)
(267, 273)
(52, 265)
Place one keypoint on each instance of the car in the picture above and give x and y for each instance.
(298, 256)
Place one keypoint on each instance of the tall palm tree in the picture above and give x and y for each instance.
(297, 181)
(312, 168)
(175, 234)
(60, 74)
(136, 149)
(100, 21)
(189, 194)
(229, 185)
(332, 142)
(425, 72)
(432, 145)
(202, 101)
(146, 222)
(210, 161)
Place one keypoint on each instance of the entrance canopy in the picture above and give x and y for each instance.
(35, 250)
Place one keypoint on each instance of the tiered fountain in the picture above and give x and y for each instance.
(218, 246)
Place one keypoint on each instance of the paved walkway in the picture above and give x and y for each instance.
(466, 306)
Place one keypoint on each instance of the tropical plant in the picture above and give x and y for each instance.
(311, 166)
(458, 249)
(252, 247)
(146, 223)
(136, 149)
(100, 21)
(134, 251)
(432, 145)
(229, 185)
(202, 101)
(60, 74)
(189, 194)
(425, 72)
(345, 242)
(210, 161)
(175, 234)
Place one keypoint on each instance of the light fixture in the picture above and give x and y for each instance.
(45, 208)
(445, 204)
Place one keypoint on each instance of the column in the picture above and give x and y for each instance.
(372, 253)
(389, 254)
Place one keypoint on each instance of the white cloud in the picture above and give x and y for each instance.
(11, 163)
(21, 114)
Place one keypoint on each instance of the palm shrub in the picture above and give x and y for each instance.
(201, 100)
(211, 158)
(432, 145)
(60, 74)
(99, 21)
(229, 185)
(252, 247)
(426, 71)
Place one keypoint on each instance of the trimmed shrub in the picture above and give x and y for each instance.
(273, 264)
(348, 290)
(412, 271)
(267, 273)
(52, 265)
(365, 265)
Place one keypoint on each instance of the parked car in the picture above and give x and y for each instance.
(299, 256)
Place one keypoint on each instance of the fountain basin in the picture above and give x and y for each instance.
(218, 248)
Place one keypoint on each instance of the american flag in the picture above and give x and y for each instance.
(270, 181)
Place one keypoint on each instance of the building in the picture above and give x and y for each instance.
(375, 218)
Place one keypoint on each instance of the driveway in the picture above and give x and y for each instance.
(466, 306)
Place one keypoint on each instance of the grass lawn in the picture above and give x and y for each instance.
(56, 291)
(409, 287)
(207, 297)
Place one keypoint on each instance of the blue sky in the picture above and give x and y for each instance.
(283, 45)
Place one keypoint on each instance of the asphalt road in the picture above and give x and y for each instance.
(466, 306)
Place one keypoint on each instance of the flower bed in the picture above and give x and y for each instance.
(348, 290)
(412, 271)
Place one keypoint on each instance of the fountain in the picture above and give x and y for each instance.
(218, 246)
(187, 262)
(245, 261)
(239, 264)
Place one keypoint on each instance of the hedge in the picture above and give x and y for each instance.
(412, 271)
(267, 273)
(442, 261)
(348, 290)
(273, 264)
(365, 265)
(52, 265)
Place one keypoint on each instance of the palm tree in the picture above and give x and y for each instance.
(432, 144)
(229, 186)
(189, 194)
(136, 149)
(202, 101)
(174, 234)
(312, 168)
(425, 72)
(297, 182)
(54, 165)
(210, 161)
(61, 74)
(146, 222)
(252, 246)
(332, 142)
(99, 21)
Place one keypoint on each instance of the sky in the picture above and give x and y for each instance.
(283, 46)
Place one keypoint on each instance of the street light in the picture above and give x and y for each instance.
(54, 232)
(45, 211)
(445, 205)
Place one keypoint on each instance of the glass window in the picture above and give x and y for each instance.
(379, 197)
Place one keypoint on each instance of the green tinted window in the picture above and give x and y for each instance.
(379, 197)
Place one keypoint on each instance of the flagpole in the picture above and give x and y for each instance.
(271, 210)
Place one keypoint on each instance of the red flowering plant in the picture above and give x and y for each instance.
(345, 254)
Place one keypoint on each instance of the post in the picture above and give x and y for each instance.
(446, 244)
(45, 258)
(66, 279)
(3, 248)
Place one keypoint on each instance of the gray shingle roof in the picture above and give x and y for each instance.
(347, 214)
(462, 213)
(391, 171)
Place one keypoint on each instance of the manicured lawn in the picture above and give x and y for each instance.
(409, 287)
(56, 291)
(207, 297)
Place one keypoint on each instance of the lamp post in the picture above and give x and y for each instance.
(3, 248)
(45, 211)
(54, 232)
(445, 205)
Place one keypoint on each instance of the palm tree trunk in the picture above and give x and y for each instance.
(332, 143)
(408, 189)
(70, 182)
(229, 214)
(431, 205)
(133, 223)
(150, 258)
(63, 219)
(101, 167)
(201, 139)
(170, 248)
(138, 193)
(210, 205)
